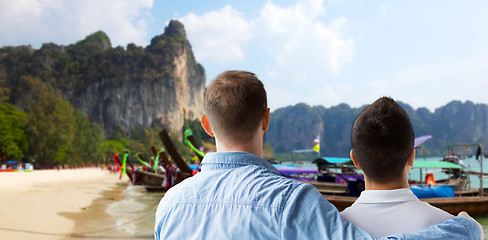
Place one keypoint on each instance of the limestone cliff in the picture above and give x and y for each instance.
(129, 89)
(295, 127)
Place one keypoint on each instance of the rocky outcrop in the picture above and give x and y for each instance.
(132, 88)
(165, 91)
(295, 127)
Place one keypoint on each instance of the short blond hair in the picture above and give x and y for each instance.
(235, 102)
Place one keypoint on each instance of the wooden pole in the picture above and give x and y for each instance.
(481, 170)
(173, 153)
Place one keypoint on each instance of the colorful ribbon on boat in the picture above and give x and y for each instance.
(188, 133)
(156, 161)
(123, 164)
(117, 163)
(140, 160)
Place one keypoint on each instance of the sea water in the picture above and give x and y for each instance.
(136, 212)
(124, 212)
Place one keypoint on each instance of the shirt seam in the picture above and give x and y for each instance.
(286, 198)
(231, 203)
(464, 226)
(249, 160)
(375, 199)
(378, 202)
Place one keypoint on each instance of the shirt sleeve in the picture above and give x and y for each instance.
(308, 215)
(454, 228)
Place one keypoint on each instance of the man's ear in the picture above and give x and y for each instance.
(353, 158)
(411, 159)
(266, 120)
(206, 126)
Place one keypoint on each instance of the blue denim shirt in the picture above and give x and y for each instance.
(238, 195)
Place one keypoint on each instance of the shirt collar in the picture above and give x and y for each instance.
(386, 196)
(226, 160)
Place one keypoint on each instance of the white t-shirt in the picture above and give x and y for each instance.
(385, 212)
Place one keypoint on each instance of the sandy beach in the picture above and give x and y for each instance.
(35, 205)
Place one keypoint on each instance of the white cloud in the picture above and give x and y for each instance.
(218, 35)
(439, 81)
(64, 22)
(304, 51)
(295, 41)
(292, 47)
(384, 11)
(300, 43)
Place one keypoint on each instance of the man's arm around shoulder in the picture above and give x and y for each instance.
(309, 215)
(460, 227)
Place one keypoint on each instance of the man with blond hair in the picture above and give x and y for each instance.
(239, 195)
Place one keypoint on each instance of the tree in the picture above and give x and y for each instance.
(50, 124)
(13, 141)
(111, 147)
(87, 146)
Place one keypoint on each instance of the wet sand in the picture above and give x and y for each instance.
(48, 204)
(124, 212)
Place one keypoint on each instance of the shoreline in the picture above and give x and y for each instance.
(123, 212)
(39, 204)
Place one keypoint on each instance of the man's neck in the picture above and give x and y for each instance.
(255, 147)
(370, 185)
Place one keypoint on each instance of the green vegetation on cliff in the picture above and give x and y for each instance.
(81, 103)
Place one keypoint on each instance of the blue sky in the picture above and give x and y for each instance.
(424, 53)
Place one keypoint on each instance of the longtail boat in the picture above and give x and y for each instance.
(153, 181)
(159, 175)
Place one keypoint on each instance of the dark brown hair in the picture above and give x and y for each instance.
(234, 104)
(382, 140)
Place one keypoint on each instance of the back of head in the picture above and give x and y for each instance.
(382, 140)
(234, 104)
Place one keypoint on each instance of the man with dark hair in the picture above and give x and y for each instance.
(239, 195)
(382, 146)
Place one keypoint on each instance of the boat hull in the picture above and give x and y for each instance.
(472, 205)
(330, 188)
(151, 181)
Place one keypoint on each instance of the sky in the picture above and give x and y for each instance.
(424, 53)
